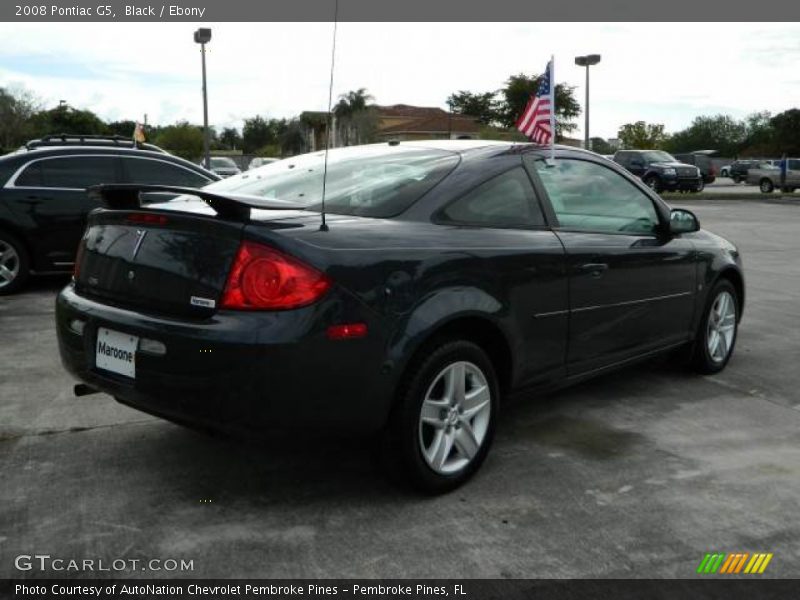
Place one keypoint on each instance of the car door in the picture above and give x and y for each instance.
(632, 288)
(50, 194)
(521, 261)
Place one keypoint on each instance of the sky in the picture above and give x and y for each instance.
(666, 73)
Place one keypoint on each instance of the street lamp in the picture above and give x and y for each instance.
(587, 61)
(202, 36)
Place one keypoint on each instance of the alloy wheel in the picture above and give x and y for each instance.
(721, 327)
(9, 264)
(454, 418)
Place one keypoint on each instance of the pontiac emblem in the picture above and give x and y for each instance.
(131, 275)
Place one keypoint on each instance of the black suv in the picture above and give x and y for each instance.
(43, 202)
(660, 170)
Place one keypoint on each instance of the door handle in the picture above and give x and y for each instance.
(594, 269)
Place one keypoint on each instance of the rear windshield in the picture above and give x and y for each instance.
(222, 162)
(372, 181)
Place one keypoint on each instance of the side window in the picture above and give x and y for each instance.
(159, 172)
(590, 197)
(78, 171)
(31, 176)
(793, 164)
(507, 200)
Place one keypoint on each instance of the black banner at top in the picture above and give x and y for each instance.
(394, 10)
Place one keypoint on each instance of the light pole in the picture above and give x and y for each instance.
(587, 61)
(202, 36)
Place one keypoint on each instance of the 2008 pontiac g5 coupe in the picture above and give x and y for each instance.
(446, 275)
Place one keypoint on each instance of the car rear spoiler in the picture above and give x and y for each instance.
(236, 207)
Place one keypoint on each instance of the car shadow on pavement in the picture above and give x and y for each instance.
(295, 467)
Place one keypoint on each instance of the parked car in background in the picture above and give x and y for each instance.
(725, 171)
(739, 168)
(260, 161)
(702, 160)
(43, 202)
(224, 166)
(450, 273)
(661, 171)
(768, 177)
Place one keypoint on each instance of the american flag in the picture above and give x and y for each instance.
(535, 121)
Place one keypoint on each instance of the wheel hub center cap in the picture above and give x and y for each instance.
(452, 416)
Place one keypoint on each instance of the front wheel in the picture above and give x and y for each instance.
(654, 183)
(700, 186)
(737, 179)
(442, 427)
(766, 186)
(716, 335)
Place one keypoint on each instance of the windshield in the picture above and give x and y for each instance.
(374, 181)
(218, 162)
(658, 156)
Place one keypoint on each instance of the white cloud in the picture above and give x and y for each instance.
(659, 72)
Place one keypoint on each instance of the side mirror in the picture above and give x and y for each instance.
(683, 221)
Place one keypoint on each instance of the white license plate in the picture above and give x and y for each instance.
(116, 352)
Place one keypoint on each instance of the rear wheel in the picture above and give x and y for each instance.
(766, 186)
(736, 179)
(716, 335)
(442, 427)
(14, 264)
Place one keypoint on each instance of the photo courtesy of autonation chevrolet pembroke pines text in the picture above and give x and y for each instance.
(424, 299)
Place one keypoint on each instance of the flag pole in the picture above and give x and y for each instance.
(553, 107)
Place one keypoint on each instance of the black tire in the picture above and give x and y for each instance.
(736, 179)
(403, 440)
(653, 182)
(17, 262)
(702, 360)
(766, 186)
(700, 187)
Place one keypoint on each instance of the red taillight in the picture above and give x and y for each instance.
(147, 218)
(347, 331)
(263, 278)
(76, 269)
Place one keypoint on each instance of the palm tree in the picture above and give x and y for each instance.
(349, 106)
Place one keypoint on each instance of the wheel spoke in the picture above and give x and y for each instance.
(455, 384)
(465, 441)
(432, 412)
(440, 449)
(6, 274)
(475, 401)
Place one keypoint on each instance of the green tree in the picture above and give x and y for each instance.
(642, 136)
(719, 132)
(356, 123)
(16, 108)
(65, 119)
(759, 139)
(601, 146)
(517, 92)
(786, 136)
(124, 127)
(182, 139)
(259, 132)
(481, 106)
(292, 138)
(230, 138)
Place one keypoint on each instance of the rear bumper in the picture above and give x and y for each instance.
(237, 371)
